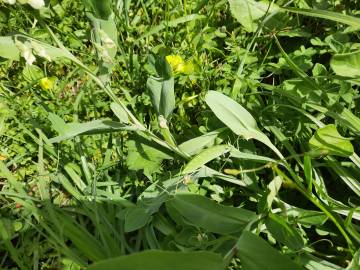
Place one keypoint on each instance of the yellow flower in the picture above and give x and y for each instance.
(186, 68)
(46, 83)
(175, 61)
(178, 65)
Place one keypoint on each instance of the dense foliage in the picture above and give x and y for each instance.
(189, 134)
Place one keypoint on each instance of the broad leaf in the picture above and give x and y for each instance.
(105, 33)
(145, 155)
(247, 12)
(347, 64)
(162, 95)
(8, 49)
(163, 260)
(328, 140)
(237, 118)
(204, 157)
(284, 233)
(32, 73)
(136, 218)
(209, 215)
(255, 253)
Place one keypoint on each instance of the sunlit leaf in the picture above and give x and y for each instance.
(329, 141)
(204, 157)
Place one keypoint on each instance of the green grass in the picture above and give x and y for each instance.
(239, 151)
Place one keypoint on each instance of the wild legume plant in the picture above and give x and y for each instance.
(178, 134)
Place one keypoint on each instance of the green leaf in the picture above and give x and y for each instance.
(270, 194)
(207, 214)
(145, 155)
(247, 12)
(162, 95)
(237, 118)
(355, 263)
(108, 27)
(346, 64)
(163, 260)
(306, 217)
(283, 232)
(311, 262)
(136, 218)
(235, 153)
(8, 49)
(325, 14)
(204, 157)
(195, 145)
(70, 130)
(328, 140)
(101, 9)
(32, 73)
(255, 253)
(120, 113)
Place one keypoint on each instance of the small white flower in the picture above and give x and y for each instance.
(162, 122)
(11, 2)
(40, 50)
(37, 4)
(26, 51)
(106, 40)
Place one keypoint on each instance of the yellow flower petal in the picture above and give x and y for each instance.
(46, 83)
(174, 61)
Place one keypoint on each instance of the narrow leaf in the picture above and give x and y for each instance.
(325, 14)
(209, 215)
(237, 118)
(204, 157)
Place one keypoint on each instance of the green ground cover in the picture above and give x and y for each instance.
(180, 134)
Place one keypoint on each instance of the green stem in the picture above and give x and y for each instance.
(323, 208)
